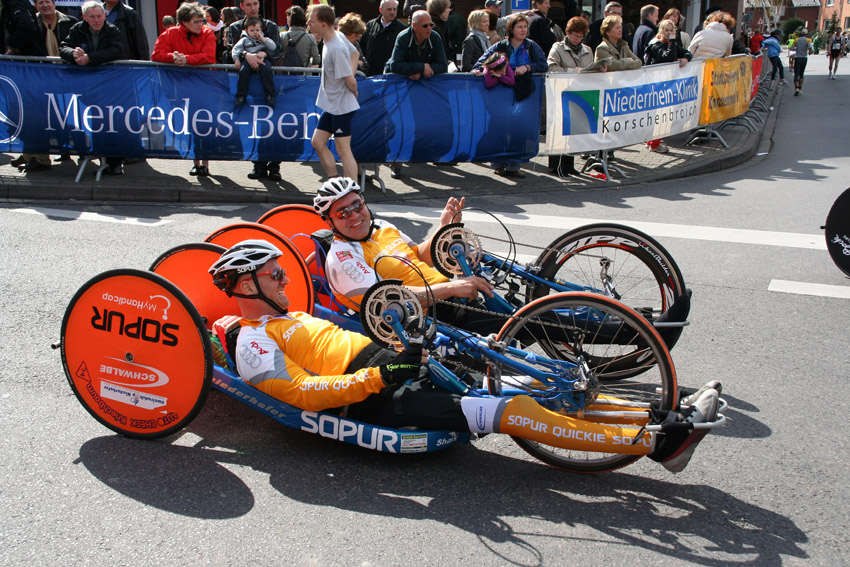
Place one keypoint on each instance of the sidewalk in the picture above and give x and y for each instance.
(159, 180)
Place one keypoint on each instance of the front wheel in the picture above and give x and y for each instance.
(592, 330)
(616, 261)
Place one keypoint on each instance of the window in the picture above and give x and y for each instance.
(830, 2)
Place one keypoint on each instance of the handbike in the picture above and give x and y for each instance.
(140, 358)
(610, 259)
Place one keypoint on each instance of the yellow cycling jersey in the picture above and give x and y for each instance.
(301, 360)
(352, 267)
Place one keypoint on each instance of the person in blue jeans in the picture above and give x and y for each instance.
(774, 50)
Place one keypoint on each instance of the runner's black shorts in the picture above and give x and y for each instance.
(337, 124)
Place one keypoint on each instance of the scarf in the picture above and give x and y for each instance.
(576, 48)
(50, 41)
(215, 27)
(482, 39)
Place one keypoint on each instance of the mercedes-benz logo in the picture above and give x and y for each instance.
(11, 110)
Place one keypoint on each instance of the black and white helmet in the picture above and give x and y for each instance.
(331, 191)
(242, 258)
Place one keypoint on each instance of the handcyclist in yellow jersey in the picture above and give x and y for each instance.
(314, 365)
(360, 240)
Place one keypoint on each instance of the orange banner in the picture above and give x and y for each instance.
(726, 88)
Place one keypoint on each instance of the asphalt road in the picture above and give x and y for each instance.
(235, 488)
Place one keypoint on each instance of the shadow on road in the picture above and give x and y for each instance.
(506, 500)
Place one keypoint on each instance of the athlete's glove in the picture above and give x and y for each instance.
(404, 366)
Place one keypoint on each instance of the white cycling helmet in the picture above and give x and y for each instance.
(242, 258)
(331, 191)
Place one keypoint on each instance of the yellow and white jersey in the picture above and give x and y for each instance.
(352, 267)
(301, 360)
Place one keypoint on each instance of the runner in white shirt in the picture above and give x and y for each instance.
(337, 93)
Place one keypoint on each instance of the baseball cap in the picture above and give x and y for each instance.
(489, 3)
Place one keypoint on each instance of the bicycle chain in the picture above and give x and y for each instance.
(535, 247)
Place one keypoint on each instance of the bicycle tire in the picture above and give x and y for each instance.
(645, 275)
(657, 385)
(136, 353)
(837, 232)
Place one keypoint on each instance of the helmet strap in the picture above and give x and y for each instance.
(259, 295)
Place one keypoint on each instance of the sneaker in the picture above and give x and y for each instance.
(660, 148)
(240, 100)
(704, 411)
(395, 173)
(115, 170)
(195, 170)
(274, 174)
(797, 92)
(689, 399)
(270, 99)
(19, 161)
(203, 171)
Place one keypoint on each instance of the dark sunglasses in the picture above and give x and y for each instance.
(347, 211)
(277, 274)
(429, 25)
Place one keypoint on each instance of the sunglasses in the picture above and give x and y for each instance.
(347, 211)
(429, 25)
(277, 274)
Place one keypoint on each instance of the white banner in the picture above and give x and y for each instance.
(600, 111)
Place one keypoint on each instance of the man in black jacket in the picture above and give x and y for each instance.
(251, 8)
(540, 27)
(18, 28)
(94, 41)
(594, 33)
(378, 41)
(133, 37)
(646, 31)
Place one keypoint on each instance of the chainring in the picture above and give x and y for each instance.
(448, 236)
(381, 297)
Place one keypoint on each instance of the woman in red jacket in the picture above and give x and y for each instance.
(190, 42)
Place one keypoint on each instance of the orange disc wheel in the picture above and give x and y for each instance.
(136, 353)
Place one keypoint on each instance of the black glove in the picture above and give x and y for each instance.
(404, 366)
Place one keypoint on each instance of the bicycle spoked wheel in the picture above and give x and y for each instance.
(639, 271)
(838, 232)
(604, 334)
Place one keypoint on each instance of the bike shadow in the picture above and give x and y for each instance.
(489, 489)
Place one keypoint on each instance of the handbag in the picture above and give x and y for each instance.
(523, 86)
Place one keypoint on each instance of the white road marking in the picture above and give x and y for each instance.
(84, 215)
(805, 288)
(656, 230)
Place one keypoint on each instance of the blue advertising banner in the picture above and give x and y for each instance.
(170, 112)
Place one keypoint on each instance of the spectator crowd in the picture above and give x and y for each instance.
(504, 50)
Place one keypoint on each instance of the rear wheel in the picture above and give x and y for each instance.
(838, 232)
(136, 353)
(603, 334)
(617, 261)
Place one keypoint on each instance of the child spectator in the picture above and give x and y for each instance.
(497, 70)
(253, 41)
